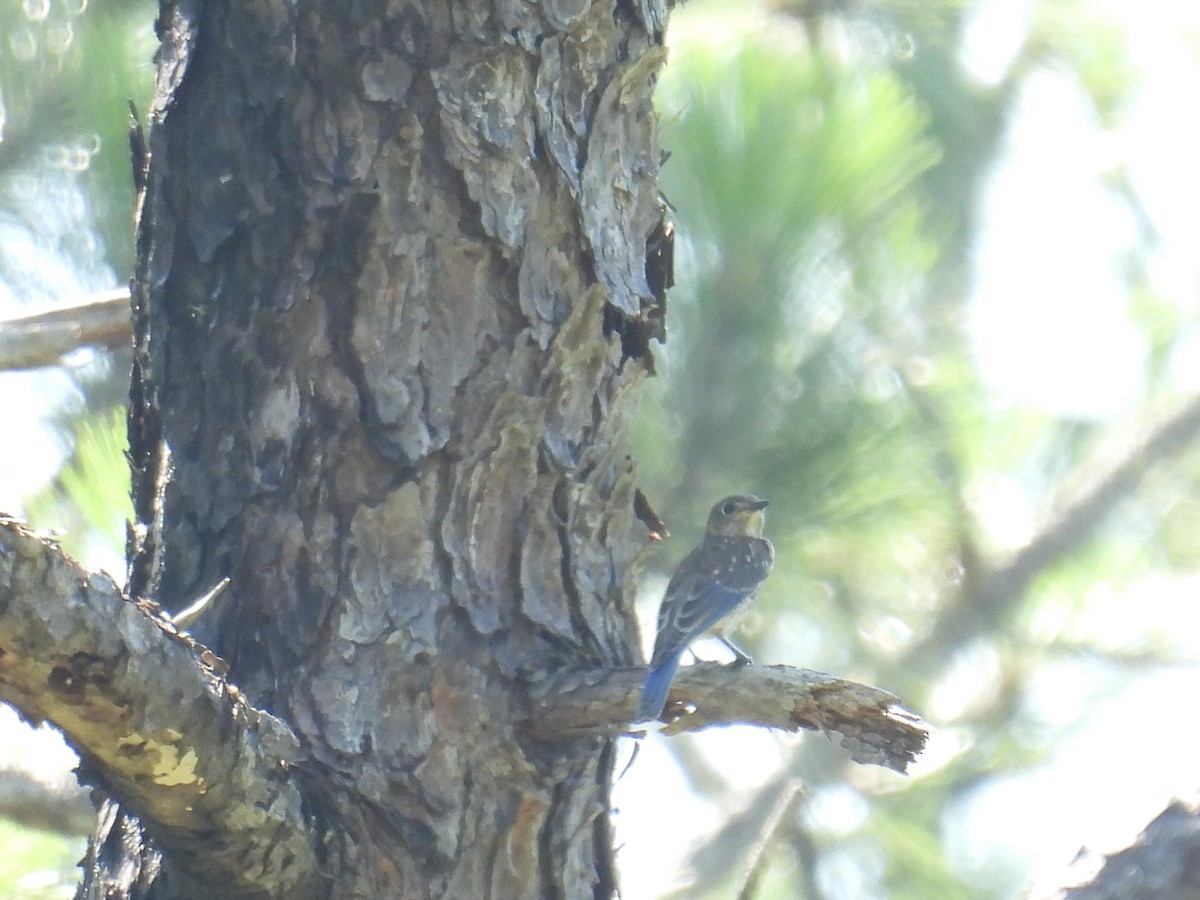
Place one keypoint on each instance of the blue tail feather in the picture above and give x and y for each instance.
(654, 691)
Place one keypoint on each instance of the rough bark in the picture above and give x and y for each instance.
(398, 268)
(391, 302)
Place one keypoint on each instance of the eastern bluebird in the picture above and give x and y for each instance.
(715, 578)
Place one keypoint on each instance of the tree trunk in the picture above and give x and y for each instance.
(391, 310)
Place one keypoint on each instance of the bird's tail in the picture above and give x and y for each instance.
(654, 691)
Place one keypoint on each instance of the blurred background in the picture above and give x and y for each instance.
(937, 300)
(68, 69)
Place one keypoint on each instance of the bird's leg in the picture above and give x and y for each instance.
(741, 657)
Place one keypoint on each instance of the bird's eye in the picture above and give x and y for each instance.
(728, 508)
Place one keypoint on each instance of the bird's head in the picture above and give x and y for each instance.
(740, 515)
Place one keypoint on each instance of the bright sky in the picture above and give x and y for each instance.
(1051, 315)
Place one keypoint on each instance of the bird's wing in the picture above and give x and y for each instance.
(682, 623)
(707, 586)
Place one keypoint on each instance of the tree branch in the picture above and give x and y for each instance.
(1080, 509)
(784, 807)
(60, 806)
(44, 337)
(875, 728)
(154, 722)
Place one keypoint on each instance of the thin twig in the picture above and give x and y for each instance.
(766, 839)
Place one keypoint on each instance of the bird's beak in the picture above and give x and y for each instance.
(759, 504)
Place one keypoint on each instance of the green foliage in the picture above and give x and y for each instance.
(797, 328)
(90, 497)
(36, 865)
(67, 72)
(784, 164)
(1093, 49)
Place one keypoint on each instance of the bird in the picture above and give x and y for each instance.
(718, 576)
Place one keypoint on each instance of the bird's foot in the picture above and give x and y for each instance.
(740, 657)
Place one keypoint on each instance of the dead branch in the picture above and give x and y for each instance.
(153, 720)
(875, 728)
